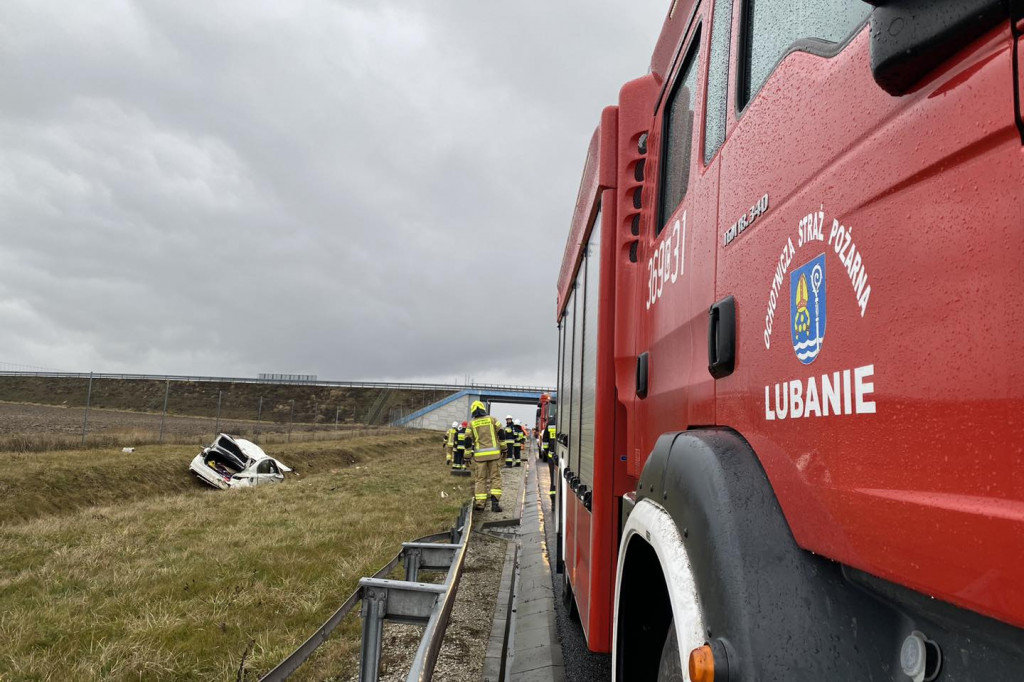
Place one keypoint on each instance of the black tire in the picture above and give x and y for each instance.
(671, 667)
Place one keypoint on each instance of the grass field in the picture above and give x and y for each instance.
(128, 572)
(42, 428)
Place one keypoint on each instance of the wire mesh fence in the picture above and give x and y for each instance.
(46, 413)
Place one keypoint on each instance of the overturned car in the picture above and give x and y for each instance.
(236, 463)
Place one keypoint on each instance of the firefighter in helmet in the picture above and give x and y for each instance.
(544, 442)
(548, 444)
(459, 463)
(484, 431)
(508, 439)
(520, 433)
(449, 443)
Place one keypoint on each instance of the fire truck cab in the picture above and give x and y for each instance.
(791, 348)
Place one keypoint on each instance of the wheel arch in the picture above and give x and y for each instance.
(643, 613)
(769, 602)
(654, 587)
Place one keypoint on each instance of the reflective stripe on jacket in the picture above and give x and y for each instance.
(548, 439)
(485, 438)
(508, 434)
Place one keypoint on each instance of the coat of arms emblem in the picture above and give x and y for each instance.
(807, 309)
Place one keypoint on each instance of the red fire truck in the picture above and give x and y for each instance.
(735, 493)
(547, 408)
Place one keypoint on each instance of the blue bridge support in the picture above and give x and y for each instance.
(455, 408)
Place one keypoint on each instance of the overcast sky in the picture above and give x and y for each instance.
(358, 190)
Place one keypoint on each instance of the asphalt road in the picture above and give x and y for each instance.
(581, 664)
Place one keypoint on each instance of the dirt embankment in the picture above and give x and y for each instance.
(43, 483)
(45, 428)
(312, 404)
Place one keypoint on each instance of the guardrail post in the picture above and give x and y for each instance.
(412, 557)
(460, 527)
(374, 608)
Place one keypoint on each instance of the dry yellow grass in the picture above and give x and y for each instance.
(30, 427)
(39, 483)
(175, 586)
(54, 442)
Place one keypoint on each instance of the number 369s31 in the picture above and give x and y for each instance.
(667, 262)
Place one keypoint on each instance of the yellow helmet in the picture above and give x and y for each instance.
(477, 405)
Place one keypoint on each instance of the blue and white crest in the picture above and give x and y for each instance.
(807, 309)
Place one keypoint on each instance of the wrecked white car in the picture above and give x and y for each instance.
(231, 462)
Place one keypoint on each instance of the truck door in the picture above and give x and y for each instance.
(677, 255)
(879, 365)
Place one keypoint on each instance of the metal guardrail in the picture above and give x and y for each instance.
(408, 601)
(250, 380)
(425, 604)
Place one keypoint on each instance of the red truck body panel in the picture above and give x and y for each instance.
(889, 232)
(926, 490)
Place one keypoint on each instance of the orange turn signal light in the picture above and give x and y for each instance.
(702, 664)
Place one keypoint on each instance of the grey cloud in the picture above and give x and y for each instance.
(311, 186)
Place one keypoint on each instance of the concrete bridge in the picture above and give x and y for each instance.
(455, 408)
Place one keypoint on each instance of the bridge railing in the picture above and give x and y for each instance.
(403, 385)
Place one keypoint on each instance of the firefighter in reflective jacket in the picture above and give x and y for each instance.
(459, 464)
(508, 439)
(449, 443)
(487, 453)
(549, 440)
(520, 433)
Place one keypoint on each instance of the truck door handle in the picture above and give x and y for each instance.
(641, 374)
(722, 338)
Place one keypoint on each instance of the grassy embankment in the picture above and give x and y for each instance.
(195, 432)
(280, 402)
(112, 570)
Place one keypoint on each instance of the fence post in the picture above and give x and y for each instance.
(163, 417)
(88, 401)
(259, 415)
(291, 418)
(337, 413)
(373, 611)
(216, 428)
